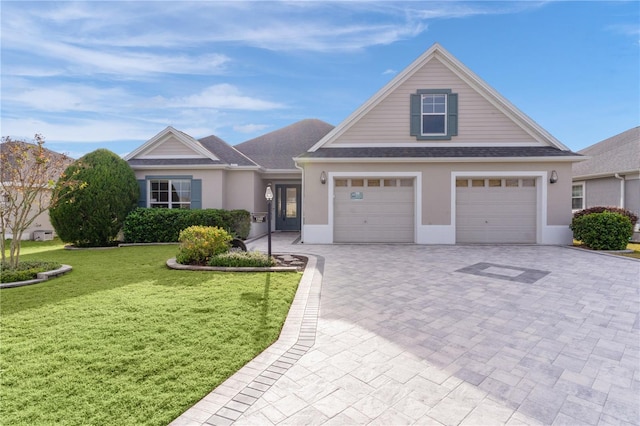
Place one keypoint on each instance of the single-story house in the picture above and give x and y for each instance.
(610, 176)
(436, 156)
(40, 227)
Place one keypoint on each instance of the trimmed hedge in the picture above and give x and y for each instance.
(603, 231)
(599, 209)
(147, 225)
(234, 259)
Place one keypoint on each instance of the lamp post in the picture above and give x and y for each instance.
(269, 196)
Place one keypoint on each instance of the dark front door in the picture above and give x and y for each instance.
(288, 207)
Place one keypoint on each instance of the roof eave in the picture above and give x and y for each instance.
(555, 159)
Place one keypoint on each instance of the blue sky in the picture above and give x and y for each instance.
(91, 75)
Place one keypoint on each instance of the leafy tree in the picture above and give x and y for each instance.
(93, 215)
(28, 174)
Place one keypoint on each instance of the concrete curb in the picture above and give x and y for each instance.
(171, 263)
(41, 277)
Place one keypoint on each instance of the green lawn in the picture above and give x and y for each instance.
(124, 340)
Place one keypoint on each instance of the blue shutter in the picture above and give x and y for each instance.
(142, 197)
(196, 193)
(416, 115)
(452, 113)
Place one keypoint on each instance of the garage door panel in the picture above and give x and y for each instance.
(374, 214)
(496, 214)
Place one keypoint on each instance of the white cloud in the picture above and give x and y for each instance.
(389, 71)
(79, 130)
(220, 96)
(250, 128)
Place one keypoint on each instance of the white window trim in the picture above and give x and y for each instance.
(584, 195)
(169, 202)
(445, 113)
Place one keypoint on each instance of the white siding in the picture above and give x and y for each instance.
(478, 120)
(170, 148)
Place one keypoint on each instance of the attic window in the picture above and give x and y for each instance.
(434, 114)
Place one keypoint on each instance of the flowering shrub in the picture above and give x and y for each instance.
(236, 258)
(198, 244)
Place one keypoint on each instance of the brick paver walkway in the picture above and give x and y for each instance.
(468, 335)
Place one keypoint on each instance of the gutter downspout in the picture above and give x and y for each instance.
(301, 200)
(617, 176)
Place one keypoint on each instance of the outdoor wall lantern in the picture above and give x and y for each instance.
(269, 197)
(554, 177)
(323, 177)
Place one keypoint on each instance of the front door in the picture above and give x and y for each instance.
(288, 207)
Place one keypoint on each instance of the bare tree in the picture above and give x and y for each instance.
(28, 174)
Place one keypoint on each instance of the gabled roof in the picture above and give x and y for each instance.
(617, 154)
(276, 149)
(209, 151)
(475, 82)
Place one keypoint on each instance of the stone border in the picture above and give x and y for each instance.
(234, 396)
(171, 263)
(41, 277)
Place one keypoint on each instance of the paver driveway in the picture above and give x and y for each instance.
(481, 335)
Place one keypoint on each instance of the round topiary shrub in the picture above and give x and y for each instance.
(603, 231)
(198, 244)
(93, 215)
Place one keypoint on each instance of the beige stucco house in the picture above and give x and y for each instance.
(434, 157)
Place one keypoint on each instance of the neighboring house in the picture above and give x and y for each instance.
(41, 223)
(610, 176)
(435, 157)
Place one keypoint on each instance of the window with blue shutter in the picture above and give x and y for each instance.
(434, 114)
(170, 192)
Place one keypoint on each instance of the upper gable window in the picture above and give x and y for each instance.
(434, 114)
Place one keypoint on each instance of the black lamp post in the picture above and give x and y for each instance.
(269, 196)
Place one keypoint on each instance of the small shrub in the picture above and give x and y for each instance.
(198, 244)
(599, 209)
(25, 270)
(236, 258)
(603, 231)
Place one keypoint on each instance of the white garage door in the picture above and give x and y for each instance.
(496, 210)
(373, 210)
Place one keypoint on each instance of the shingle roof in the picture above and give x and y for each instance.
(9, 148)
(276, 150)
(439, 152)
(619, 153)
(225, 152)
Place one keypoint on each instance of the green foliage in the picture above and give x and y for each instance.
(146, 225)
(93, 216)
(599, 209)
(603, 231)
(27, 270)
(198, 244)
(235, 258)
(124, 340)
